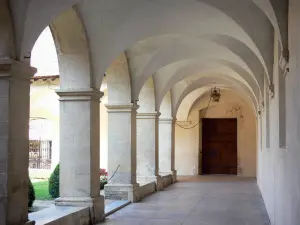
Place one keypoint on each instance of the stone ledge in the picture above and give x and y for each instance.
(150, 115)
(16, 70)
(167, 180)
(146, 189)
(95, 205)
(115, 108)
(62, 215)
(79, 94)
(121, 192)
(164, 120)
(149, 179)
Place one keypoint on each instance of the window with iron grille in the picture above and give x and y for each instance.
(40, 154)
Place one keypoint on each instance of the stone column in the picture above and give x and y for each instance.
(166, 147)
(14, 141)
(122, 153)
(147, 149)
(79, 151)
(174, 171)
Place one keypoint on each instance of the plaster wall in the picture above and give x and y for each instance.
(44, 103)
(277, 164)
(188, 144)
(44, 116)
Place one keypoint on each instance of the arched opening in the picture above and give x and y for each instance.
(44, 112)
(215, 151)
(150, 73)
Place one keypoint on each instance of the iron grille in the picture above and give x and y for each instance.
(40, 154)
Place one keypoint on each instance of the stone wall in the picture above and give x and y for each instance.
(167, 180)
(146, 189)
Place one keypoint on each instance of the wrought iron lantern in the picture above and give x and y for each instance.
(215, 94)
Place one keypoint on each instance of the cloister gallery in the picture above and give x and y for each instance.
(164, 64)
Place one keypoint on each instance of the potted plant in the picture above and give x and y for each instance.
(103, 178)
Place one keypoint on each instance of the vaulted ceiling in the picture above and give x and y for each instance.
(183, 46)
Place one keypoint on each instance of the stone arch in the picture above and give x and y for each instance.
(277, 12)
(194, 68)
(125, 25)
(110, 44)
(73, 51)
(146, 100)
(247, 100)
(181, 85)
(250, 25)
(166, 106)
(7, 49)
(188, 101)
(223, 82)
(184, 49)
(118, 82)
(33, 20)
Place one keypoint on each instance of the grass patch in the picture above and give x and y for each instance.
(42, 190)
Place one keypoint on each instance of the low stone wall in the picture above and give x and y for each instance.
(146, 189)
(62, 215)
(167, 180)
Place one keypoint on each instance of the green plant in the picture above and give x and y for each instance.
(41, 189)
(54, 183)
(31, 193)
(102, 183)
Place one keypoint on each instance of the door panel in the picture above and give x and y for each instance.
(219, 146)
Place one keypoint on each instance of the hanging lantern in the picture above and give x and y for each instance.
(215, 94)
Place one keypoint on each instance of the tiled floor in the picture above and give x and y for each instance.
(203, 200)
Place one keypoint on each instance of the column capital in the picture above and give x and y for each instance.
(121, 108)
(284, 62)
(85, 94)
(152, 115)
(11, 69)
(168, 120)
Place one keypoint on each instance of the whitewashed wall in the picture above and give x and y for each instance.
(188, 142)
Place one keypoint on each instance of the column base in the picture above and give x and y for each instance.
(174, 175)
(148, 179)
(96, 205)
(122, 192)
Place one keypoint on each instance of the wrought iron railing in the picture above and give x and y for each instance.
(40, 154)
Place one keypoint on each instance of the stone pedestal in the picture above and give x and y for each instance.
(174, 176)
(122, 192)
(147, 148)
(79, 151)
(149, 179)
(122, 153)
(14, 143)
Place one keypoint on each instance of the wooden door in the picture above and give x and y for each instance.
(219, 146)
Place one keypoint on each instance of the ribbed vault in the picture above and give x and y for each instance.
(177, 45)
(227, 24)
(181, 89)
